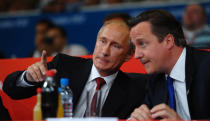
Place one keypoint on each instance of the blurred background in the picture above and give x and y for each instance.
(80, 19)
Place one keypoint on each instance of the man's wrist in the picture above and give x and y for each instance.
(29, 82)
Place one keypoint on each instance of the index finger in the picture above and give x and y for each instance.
(44, 57)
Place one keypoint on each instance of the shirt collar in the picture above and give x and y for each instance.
(95, 74)
(178, 71)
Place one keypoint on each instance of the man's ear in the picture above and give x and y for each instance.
(169, 41)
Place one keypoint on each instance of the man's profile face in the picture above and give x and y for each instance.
(148, 49)
(41, 30)
(111, 48)
(58, 40)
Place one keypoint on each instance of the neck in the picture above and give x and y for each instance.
(174, 56)
(104, 74)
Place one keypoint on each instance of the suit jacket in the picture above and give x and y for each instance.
(197, 76)
(125, 94)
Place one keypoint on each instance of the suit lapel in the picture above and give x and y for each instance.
(116, 96)
(189, 68)
(189, 72)
(80, 80)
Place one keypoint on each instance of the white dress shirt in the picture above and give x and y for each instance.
(178, 74)
(91, 87)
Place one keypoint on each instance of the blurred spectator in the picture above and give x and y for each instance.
(4, 5)
(58, 6)
(117, 17)
(196, 30)
(96, 2)
(40, 32)
(55, 41)
(114, 1)
(92, 2)
(22, 5)
(55, 6)
(58, 37)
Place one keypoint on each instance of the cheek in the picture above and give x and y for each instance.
(95, 49)
(118, 58)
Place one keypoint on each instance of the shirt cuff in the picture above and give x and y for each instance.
(22, 82)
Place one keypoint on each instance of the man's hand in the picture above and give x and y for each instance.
(36, 72)
(141, 113)
(165, 112)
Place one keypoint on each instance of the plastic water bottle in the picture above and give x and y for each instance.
(66, 97)
(49, 96)
(60, 110)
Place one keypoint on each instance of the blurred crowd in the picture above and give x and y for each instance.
(57, 6)
(51, 6)
(53, 38)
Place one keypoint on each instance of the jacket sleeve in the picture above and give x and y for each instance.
(16, 92)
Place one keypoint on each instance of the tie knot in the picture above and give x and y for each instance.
(100, 82)
(169, 79)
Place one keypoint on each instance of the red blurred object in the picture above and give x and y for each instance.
(39, 90)
(50, 73)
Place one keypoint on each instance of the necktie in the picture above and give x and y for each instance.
(172, 101)
(100, 82)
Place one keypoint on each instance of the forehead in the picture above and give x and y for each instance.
(115, 32)
(194, 8)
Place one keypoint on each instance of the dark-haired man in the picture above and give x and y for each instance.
(179, 84)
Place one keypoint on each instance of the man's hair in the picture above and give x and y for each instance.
(162, 23)
(46, 22)
(61, 30)
(124, 16)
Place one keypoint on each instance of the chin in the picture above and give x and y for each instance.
(149, 71)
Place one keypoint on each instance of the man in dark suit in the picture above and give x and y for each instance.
(112, 48)
(161, 48)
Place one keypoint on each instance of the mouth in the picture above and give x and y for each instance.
(144, 62)
(103, 60)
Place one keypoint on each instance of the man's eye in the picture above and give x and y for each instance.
(103, 41)
(116, 46)
(143, 44)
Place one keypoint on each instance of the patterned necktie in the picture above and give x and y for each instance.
(100, 82)
(172, 101)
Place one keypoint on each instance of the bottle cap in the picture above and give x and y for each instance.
(39, 90)
(50, 73)
(64, 82)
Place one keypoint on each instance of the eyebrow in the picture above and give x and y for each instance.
(139, 39)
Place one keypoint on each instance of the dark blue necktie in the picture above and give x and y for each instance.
(172, 101)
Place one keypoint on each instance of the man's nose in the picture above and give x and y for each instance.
(138, 54)
(106, 50)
